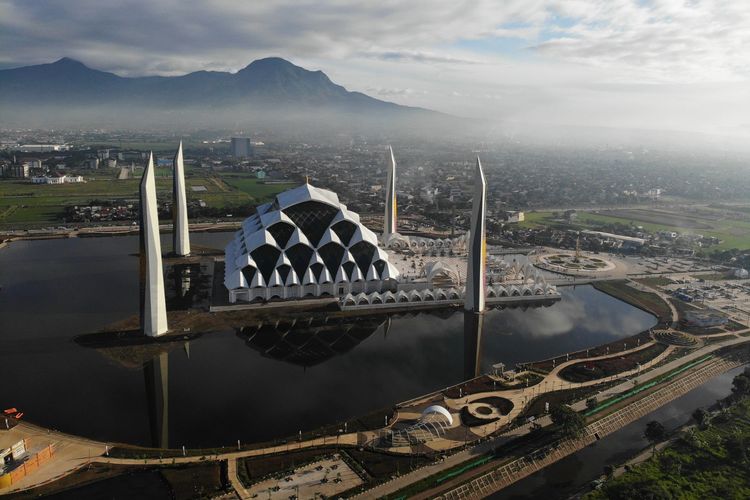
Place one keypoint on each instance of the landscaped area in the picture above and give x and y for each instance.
(586, 371)
(708, 461)
(647, 301)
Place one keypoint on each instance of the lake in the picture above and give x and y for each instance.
(258, 383)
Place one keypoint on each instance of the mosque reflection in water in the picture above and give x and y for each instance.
(302, 341)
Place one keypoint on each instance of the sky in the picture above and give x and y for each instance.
(647, 64)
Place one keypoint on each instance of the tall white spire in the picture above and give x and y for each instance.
(475, 272)
(181, 232)
(389, 224)
(153, 301)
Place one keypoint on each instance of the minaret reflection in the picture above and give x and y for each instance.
(156, 376)
(473, 323)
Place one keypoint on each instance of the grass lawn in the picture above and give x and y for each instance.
(655, 281)
(645, 300)
(535, 220)
(23, 204)
(733, 233)
(28, 205)
(257, 190)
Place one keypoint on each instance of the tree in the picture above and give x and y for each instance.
(572, 424)
(736, 448)
(591, 403)
(700, 416)
(741, 384)
(609, 471)
(655, 432)
(643, 489)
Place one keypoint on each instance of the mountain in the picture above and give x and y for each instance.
(69, 92)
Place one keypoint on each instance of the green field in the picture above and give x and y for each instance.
(256, 189)
(733, 232)
(536, 219)
(25, 205)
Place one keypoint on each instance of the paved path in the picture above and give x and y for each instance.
(235, 480)
(482, 448)
(70, 453)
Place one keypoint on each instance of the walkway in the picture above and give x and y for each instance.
(478, 450)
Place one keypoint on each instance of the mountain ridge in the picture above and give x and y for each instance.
(273, 79)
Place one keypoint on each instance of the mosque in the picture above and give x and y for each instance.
(306, 244)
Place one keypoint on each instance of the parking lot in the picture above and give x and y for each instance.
(731, 297)
(654, 265)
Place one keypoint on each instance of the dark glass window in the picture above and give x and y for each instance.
(349, 268)
(362, 253)
(284, 272)
(299, 255)
(317, 268)
(331, 253)
(312, 217)
(249, 273)
(379, 266)
(344, 230)
(281, 232)
(265, 257)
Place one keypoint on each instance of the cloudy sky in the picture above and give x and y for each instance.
(654, 64)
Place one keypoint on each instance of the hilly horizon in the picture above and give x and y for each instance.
(265, 88)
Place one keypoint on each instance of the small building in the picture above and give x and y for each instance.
(16, 171)
(513, 216)
(703, 319)
(32, 162)
(741, 273)
(57, 179)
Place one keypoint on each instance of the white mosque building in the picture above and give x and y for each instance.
(305, 244)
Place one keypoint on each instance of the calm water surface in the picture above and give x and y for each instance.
(252, 385)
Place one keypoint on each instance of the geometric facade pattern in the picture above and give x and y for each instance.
(304, 244)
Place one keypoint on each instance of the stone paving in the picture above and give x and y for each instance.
(324, 478)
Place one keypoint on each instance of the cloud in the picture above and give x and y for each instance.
(588, 62)
(390, 92)
(419, 57)
(660, 41)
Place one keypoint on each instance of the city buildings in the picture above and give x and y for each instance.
(241, 147)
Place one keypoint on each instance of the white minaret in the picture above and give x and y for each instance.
(389, 224)
(475, 271)
(153, 301)
(181, 232)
